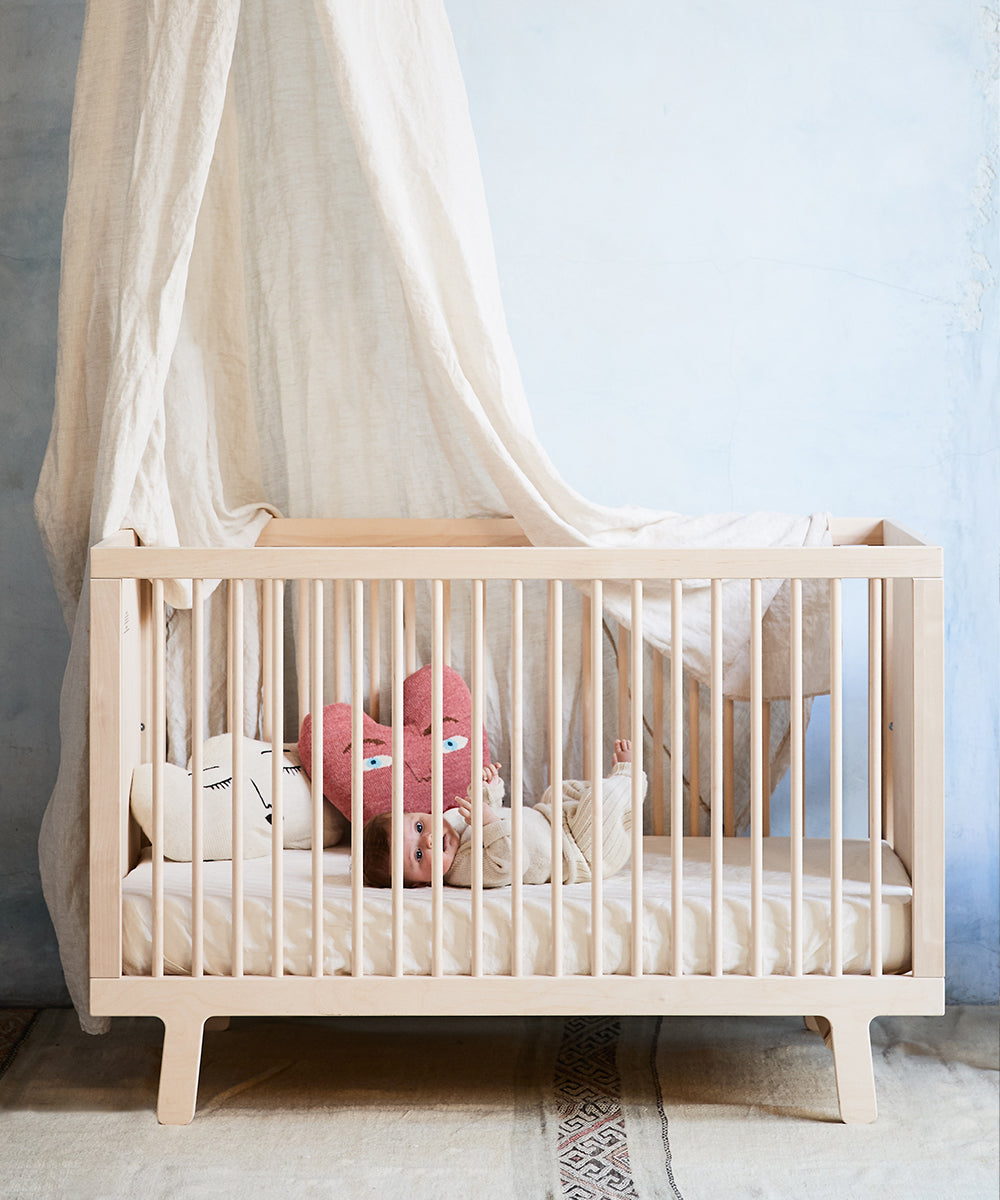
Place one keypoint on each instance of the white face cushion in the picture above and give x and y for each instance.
(217, 803)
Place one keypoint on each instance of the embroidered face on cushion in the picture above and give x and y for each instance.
(456, 748)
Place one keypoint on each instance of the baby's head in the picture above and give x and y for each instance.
(418, 859)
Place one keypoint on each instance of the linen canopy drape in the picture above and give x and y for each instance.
(279, 294)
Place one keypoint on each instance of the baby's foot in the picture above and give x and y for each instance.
(623, 751)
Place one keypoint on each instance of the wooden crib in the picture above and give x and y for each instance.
(651, 940)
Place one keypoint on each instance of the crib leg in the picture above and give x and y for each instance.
(179, 1069)
(850, 1041)
(819, 1025)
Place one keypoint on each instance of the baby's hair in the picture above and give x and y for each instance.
(377, 847)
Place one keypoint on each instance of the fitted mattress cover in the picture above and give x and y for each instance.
(536, 930)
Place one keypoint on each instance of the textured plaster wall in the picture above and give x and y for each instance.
(749, 258)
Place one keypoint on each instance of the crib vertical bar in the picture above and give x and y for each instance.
(635, 733)
(357, 780)
(677, 775)
(302, 651)
(836, 776)
(478, 618)
(875, 768)
(888, 676)
(266, 663)
(516, 772)
(596, 761)
(374, 649)
(316, 707)
(623, 663)
(756, 779)
(797, 790)
(276, 636)
(159, 722)
(586, 674)
(658, 798)
(718, 768)
(236, 671)
(556, 763)
(410, 623)
(446, 621)
(398, 674)
(341, 668)
(729, 771)
(437, 783)
(197, 766)
(694, 757)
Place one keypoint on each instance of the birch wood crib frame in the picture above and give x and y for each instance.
(314, 558)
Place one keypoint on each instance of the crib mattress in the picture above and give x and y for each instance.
(537, 941)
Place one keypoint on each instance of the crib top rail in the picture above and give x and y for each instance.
(497, 548)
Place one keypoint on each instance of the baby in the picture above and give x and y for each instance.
(536, 856)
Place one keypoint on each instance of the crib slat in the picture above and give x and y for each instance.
(888, 675)
(694, 757)
(302, 660)
(658, 798)
(275, 636)
(756, 779)
(836, 776)
(374, 649)
(596, 761)
(357, 781)
(635, 733)
(516, 772)
(586, 676)
(159, 759)
(677, 775)
(266, 664)
(197, 766)
(437, 783)
(555, 616)
(236, 674)
(478, 619)
(316, 707)
(446, 623)
(718, 768)
(410, 623)
(341, 668)
(796, 778)
(398, 674)
(875, 768)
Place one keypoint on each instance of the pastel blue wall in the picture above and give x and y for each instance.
(749, 258)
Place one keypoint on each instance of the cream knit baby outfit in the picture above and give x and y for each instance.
(536, 842)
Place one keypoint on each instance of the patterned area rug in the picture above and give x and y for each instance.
(593, 1144)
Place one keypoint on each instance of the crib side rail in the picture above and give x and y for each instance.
(119, 626)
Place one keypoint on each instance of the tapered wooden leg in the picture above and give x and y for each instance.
(179, 1069)
(852, 1062)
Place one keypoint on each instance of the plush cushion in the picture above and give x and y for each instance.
(217, 803)
(377, 777)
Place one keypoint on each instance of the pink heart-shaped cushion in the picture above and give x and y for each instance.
(377, 778)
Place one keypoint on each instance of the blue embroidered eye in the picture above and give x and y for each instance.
(455, 742)
(376, 761)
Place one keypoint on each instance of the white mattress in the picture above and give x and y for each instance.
(657, 954)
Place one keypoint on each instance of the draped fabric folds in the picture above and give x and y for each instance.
(279, 294)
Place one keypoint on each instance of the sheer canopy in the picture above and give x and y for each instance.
(279, 294)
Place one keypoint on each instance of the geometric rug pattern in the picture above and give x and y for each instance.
(593, 1143)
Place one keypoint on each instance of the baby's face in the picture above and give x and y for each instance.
(418, 857)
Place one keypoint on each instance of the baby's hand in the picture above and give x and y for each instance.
(464, 806)
(490, 772)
